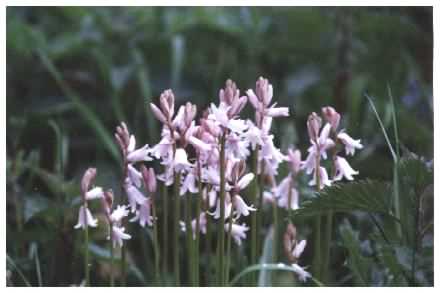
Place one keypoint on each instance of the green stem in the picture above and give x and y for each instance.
(221, 230)
(208, 245)
(165, 228)
(124, 266)
(275, 233)
(228, 251)
(176, 227)
(317, 245)
(189, 239)
(86, 253)
(254, 215)
(112, 260)
(156, 246)
(197, 240)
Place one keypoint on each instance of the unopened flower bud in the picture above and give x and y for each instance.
(107, 202)
(294, 157)
(313, 126)
(149, 178)
(87, 179)
(331, 116)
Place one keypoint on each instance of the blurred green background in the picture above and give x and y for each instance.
(74, 72)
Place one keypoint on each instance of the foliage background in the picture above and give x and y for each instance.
(74, 72)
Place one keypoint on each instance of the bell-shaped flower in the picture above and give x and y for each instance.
(294, 159)
(343, 169)
(140, 155)
(181, 160)
(302, 274)
(238, 232)
(133, 194)
(349, 143)
(236, 147)
(227, 210)
(119, 213)
(278, 111)
(119, 236)
(241, 207)
(283, 200)
(253, 135)
(202, 225)
(299, 248)
(94, 193)
(143, 215)
(323, 178)
(85, 219)
(245, 180)
(189, 184)
(134, 175)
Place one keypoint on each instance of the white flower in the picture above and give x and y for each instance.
(139, 155)
(278, 112)
(85, 218)
(181, 160)
(227, 210)
(253, 135)
(119, 213)
(299, 248)
(133, 194)
(301, 273)
(94, 193)
(143, 215)
(237, 147)
(245, 180)
(135, 175)
(189, 184)
(118, 236)
(294, 200)
(202, 225)
(323, 178)
(343, 169)
(241, 207)
(237, 125)
(238, 232)
(350, 143)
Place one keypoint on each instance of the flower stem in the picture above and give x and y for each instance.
(189, 239)
(208, 244)
(275, 233)
(254, 215)
(197, 240)
(165, 228)
(228, 250)
(221, 230)
(156, 246)
(112, 260)
(317, 245)
(176, 227)
(124, 266)
(86, 253)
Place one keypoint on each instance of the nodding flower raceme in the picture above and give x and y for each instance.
(85, 217)
(238, 232)
(293, 250)
(114, 219)
(190, 149)
(328, 140)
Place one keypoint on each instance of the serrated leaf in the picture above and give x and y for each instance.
(364, 195)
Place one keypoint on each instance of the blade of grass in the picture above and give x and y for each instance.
(34, 255)
(15, 267)
(87, 114)
(272, 267)
(396, 196)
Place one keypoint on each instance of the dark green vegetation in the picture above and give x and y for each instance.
(74, 73)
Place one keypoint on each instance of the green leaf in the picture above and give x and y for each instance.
(87, 114)
(33, 204)
(363, 195)
(358, 264)
(272, 267)
(101, 252)
(265, 278)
